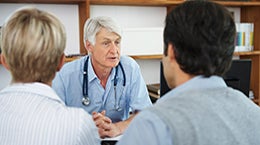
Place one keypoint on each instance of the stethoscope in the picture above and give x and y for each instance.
(86, 100)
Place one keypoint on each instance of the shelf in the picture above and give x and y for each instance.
(71, 58)
(133, 2)
(167, 2)
(239, 3)
(159, 56)
(247, 53)
(137, 2)
(45, 1)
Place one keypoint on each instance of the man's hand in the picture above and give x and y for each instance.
(100, 118)
(109, 130)
(105, 126)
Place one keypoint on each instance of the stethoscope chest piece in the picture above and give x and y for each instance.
(85, 101)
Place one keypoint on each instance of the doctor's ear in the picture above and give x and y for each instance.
(88, 46)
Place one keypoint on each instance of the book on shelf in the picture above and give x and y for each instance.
(244, 37)
(154, 88)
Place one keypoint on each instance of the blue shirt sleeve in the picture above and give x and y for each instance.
(146, 129)
(138, 93)
(57, 85)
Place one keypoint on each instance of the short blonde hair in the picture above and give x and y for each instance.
(33, 42)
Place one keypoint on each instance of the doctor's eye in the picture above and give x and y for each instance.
(117, 42)
(106, 43)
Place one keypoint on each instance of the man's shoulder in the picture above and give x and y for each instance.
(127, 61)
(125, 58)
(79, 115)
(75, 65)
(75, 120)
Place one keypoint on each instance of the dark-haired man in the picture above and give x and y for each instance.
(200, 109)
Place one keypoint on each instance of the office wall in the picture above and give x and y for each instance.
(68, 15)
(150, 70)
(141, 26)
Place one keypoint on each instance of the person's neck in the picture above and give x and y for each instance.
(49, 83)
(24, 82)
(102, 74)
(179, 78)
(183, 77)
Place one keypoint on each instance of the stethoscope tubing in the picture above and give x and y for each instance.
(86, 99)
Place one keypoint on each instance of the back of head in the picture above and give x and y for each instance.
(93, 25)
(203, 35)
(33, 42)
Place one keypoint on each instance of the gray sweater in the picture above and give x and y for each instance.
(219, 116)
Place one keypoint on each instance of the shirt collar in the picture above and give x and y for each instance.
(91, 73)
(198, 82)
(35, 88)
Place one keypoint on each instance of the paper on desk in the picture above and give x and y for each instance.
(112, 138)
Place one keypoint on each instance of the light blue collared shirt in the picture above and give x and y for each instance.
(148, 129)
(68, 84)
(198, 82)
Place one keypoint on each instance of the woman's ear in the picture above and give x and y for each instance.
(4, 62)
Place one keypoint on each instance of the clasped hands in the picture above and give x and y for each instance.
(105, 126)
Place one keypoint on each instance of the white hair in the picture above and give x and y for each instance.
(93, 25)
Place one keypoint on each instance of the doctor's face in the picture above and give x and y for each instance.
(106, 51)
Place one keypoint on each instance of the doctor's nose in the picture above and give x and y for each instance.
(114, 47)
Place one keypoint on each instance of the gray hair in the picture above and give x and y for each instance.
(93, 25)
